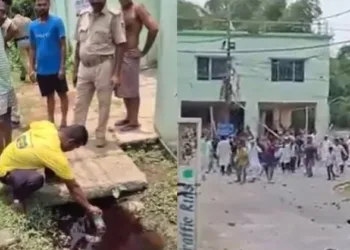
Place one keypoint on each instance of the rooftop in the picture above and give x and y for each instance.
(214, 27)
(221, 33)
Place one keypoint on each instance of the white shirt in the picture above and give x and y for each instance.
(224, 152)
(286, 154)
(293, 150)
(338, 149)
(324, 149)
(253, 155)
(330, 159)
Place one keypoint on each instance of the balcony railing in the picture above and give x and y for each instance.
(320, 27)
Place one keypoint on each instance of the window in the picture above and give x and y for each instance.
(211, 68)
(287, 70)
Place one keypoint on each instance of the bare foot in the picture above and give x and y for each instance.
(130, 127)
(121, 122)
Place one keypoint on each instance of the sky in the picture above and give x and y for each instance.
(341, 24)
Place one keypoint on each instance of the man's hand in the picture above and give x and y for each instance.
(93, 210)
(115, 81)
(62, 73)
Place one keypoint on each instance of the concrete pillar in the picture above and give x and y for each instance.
(286, 117)
(276, 118)
(168, 109)
(262, 121)
(321, 118)
(251, 116)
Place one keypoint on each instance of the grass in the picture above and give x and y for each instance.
(35, 231)
(160, 199)
(39, 231)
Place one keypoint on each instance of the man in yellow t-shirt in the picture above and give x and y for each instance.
(42, 146)
(242, 162)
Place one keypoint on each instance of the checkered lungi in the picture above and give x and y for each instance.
(7, 101)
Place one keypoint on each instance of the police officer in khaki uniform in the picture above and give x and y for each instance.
(100, 36)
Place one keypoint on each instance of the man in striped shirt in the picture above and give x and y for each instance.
(7, 93)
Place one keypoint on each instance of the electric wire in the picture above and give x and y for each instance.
(266, 49)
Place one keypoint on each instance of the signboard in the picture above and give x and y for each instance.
(225, 129)
(189, 132)
(81, 5)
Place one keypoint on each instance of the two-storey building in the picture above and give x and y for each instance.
(276, 75)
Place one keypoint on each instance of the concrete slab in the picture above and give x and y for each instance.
(146, 132)
(97, 174)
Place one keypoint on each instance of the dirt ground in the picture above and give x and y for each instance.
(160, 199)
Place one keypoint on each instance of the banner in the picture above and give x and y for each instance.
(225, 129)
(189, 132)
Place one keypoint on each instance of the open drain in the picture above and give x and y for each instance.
(123, 230)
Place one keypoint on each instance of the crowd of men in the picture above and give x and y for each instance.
(107, 61)
(250, 156)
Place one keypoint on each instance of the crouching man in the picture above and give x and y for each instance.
(42, 146)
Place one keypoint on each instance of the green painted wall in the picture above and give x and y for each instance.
(167, 108)
(255, 70)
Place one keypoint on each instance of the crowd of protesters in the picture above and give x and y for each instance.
(251, 157)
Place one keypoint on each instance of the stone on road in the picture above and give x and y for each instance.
(294, 213)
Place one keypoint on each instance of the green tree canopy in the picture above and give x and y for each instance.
(303, 11)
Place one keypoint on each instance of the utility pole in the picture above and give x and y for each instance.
(226, 89)
(306, 120)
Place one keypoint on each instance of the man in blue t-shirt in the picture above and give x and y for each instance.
(48, 56)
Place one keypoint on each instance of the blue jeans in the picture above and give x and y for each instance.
(23, 183)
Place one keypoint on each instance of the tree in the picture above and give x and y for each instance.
(24, 7)
(190, 15)
(339, 89)
(305, 11)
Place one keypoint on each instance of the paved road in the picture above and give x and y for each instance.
(295, 213)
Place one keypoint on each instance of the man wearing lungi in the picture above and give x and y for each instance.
(100, 36)
(9, 30)
(136, 16)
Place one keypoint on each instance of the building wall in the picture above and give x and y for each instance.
(66, 9)
(167, 110)
(254, 69)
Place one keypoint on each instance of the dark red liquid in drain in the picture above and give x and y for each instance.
(124, 231)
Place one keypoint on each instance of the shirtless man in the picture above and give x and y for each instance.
(136, 16)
